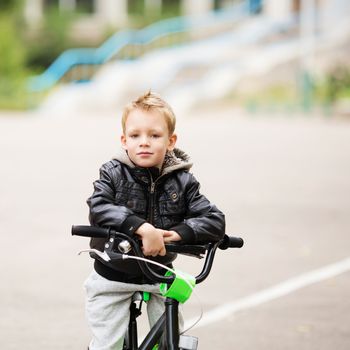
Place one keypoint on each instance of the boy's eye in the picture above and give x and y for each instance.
(133, 136)
(155, 136)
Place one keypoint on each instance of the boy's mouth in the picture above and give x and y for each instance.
(144, 153)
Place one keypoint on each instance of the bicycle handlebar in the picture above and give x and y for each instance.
(90, 231)
(231, 242)
(192, 249)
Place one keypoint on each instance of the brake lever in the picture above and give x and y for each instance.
(103, 255)
(112, 256)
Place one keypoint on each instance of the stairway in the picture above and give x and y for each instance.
(190, 73)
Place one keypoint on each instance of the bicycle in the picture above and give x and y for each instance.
(174, 285)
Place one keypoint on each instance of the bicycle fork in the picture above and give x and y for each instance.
(166, 330)
(169, 322)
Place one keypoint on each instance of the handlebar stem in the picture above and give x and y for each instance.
(151, 274)
(145, 268)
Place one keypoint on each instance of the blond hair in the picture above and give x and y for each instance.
(151, 101)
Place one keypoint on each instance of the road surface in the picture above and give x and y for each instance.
(282, 181)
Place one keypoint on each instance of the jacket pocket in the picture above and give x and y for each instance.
(172, 203)
(131, 195)
(137, 205)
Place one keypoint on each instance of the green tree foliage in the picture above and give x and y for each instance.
(338, 84)
(12, 58)
(8, 4)
(49, 41)
(12, 52)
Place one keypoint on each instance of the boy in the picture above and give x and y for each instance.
(146, 192)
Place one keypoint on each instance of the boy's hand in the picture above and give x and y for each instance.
(171, 236)
(152, 240)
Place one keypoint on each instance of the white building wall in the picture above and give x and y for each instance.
(33, 11)
(113, 12)
(195, 7)
(333, 12)
(278, 10)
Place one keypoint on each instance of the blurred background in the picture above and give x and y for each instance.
(256, 54)
(261, 90)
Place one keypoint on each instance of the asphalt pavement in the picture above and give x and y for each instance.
(282, 181)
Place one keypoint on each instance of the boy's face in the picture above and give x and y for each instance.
(146, 138)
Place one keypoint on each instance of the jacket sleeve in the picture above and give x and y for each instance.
(203, 222)
(104, 211)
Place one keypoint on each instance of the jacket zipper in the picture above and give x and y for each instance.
(152, 198)
(153, 185)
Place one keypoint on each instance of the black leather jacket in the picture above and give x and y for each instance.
(126, 196)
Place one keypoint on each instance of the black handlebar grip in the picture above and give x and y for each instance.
(231, 242)
(90, 231)
(235, 242)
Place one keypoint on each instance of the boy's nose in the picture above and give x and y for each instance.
(144, 141)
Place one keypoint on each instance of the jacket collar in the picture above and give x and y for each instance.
(174, 160)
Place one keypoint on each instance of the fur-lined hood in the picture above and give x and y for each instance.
(174, 160)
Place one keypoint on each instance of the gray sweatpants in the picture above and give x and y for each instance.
(107, 309)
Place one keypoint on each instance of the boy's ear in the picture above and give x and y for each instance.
(123, 141)
(172, 142)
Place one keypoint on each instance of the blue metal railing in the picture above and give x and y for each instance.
(111, 47)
